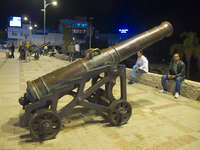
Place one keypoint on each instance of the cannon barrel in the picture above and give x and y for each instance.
(112, 55)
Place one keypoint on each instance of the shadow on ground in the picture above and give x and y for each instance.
(76, 118)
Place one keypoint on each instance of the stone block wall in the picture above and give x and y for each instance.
(189, 89)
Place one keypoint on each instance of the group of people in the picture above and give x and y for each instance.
(24, 50)
(176, 72)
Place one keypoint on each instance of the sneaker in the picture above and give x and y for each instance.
(176, 95)
(131, 82)
(163, 91)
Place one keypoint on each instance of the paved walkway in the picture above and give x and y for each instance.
(158, 122)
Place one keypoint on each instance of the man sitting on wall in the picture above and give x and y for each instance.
(176, 72)
(141, 66)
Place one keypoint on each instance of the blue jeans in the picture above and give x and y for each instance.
(178, 83)
(135, 71)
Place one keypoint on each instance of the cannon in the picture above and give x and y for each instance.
(100, 68)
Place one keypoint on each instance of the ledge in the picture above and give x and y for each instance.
(189, 89)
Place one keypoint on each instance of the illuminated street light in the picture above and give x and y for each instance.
(25, 18)
(54, 3)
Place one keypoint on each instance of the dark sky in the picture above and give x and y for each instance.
(138, 15)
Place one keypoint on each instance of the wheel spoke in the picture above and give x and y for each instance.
(45, 124)
(120, 112)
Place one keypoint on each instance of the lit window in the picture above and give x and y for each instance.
(14, 33)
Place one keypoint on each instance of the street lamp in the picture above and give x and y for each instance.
(90, 31)
(54, 3)
(30, 27)
(25, 18)
(35, 25)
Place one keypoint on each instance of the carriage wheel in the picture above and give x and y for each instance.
(44, 124)
(120, 112)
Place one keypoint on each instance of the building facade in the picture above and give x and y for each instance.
(34, 36)
(80, 28)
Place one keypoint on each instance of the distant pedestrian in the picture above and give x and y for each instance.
(77, 48)
(22, 51)
(12, 48)
(71, 50)
(141, 66)
(53, 53)
(45, 50)
(28, 47)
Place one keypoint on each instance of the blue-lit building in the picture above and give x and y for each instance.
(79, 26)
(113, 38)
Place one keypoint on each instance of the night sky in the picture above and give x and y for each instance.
(110, 15)
(137, 15)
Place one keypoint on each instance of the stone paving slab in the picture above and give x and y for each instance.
(158, 122)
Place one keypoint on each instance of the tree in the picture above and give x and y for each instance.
(197, 56)
(67, 36)
(189, 48)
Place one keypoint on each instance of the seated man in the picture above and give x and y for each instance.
(52, 54)
(141, 66)
(176, 72)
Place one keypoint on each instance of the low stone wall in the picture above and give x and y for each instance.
(61, 56)
(189, 88)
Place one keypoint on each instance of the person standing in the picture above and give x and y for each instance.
(77, 48)
(12, 48)
(176, 72)
(22, 51)
(46, 50)
(71, 50)
(141, 66)
(28, 50)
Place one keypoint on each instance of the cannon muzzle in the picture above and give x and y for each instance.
(112, 55)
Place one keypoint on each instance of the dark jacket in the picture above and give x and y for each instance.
(12, 48)
(180, 68)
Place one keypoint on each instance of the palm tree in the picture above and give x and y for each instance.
(188, 48)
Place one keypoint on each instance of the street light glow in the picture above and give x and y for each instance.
(31, 28)
(25, 18)
(54, 3)
(35, 25)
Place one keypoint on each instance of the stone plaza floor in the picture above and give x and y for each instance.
(158, 122)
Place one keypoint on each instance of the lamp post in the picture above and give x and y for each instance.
(26, 19)
(54, 3)
(90, 31)
(30, 27)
